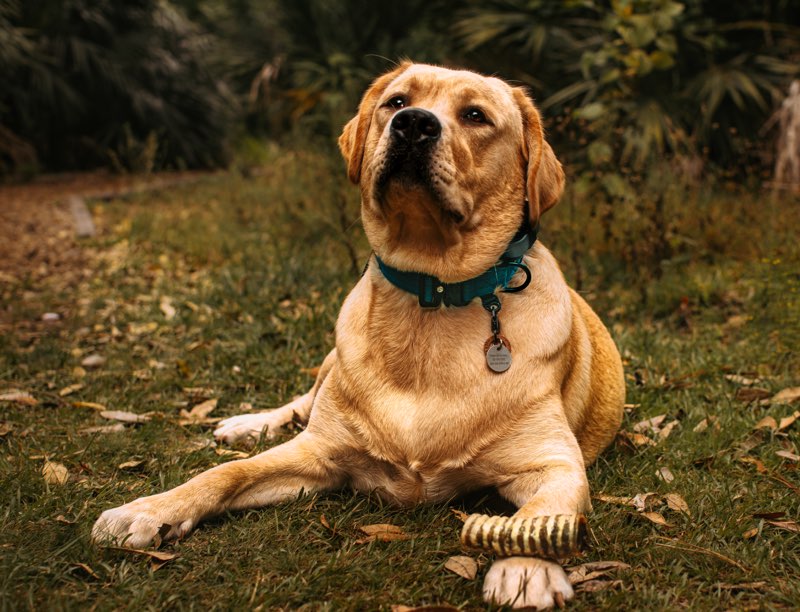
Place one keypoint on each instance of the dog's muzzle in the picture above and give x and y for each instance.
(413, 134)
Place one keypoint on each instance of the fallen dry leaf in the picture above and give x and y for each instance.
(752, 441)
(70, 389)
(157, 558)
(130, 465)
(55, 473)
(788, 455)
(768, 515)
(233, 454)
(741, 380)
(461, 516)
(104, 429)
(167, 308)
(464, 566)
(750, 533)
(642, 501)
(705, 423)
(665, 474)
(613, 499)
(656, 518)
(592, 570)
(634, 439)
(760, 467)
(198, 393)
(788, 525)
(64, 520)
(767, 422)
(752, 394)
(141, 329)
(92, 405)
(788, 421)
(198, 415)
(125, 417)
(382, 532)
(786, 396)
(198, 445)
(16, 396)
(5, 429)
(664, 432)
(651, 424)
(677, 503)
(93, 361)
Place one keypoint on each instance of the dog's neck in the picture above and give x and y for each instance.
(433, 293)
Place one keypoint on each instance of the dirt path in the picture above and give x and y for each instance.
(39, 249)
(37, 232)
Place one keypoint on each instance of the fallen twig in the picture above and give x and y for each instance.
(685, 546)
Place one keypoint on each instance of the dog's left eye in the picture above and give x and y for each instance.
(475, 115)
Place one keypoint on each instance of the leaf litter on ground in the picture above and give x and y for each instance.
(464, 566)
(158, 558)
(198, 415)
(123, 416)
(382, 532)
(17, 396)
(55, 473)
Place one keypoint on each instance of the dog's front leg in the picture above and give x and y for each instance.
(555, 483)
(303, 464)
(249, 427)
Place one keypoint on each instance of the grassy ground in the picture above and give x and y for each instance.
(233, 284)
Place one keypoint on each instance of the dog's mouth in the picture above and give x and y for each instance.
(407, 171)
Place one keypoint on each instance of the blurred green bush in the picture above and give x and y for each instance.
(626, 83)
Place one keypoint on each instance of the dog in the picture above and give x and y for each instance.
(439, 384)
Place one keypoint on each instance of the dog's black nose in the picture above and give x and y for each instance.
(416, 126)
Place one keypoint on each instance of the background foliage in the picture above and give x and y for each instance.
(171, 83)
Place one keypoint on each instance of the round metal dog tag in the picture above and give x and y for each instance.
(498, 356)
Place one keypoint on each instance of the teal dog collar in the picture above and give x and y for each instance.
(432, 292)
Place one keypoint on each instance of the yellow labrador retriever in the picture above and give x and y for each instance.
(462, 358)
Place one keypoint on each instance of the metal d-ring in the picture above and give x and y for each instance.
(525, 283)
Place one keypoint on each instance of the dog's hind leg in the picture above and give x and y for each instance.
(303, 464)
(248, 427)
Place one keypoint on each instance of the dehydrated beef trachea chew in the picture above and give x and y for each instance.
(554, 537)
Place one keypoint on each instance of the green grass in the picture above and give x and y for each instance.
(256, 270)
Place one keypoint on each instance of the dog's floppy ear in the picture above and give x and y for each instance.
(544, 175)
(354, 135)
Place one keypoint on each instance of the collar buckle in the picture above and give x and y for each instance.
(431, 291)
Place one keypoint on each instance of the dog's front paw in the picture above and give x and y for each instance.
(248, 427)
(137, 524)
(524, 582)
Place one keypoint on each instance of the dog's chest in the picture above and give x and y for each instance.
(422, 397)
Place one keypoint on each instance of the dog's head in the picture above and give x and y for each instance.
(445, 160)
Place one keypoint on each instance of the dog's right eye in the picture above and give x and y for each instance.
(396, 102)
